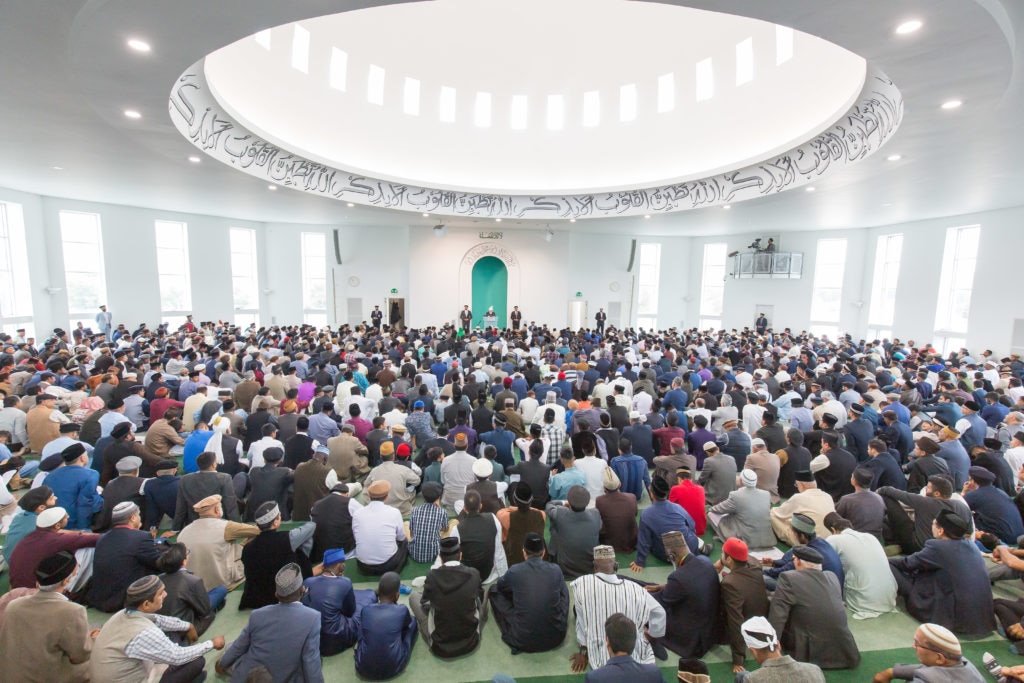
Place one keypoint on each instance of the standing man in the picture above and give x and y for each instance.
(599, 319)
(465, 318)
(376, 316)
(104, 321)
(516, 316)
(761, 324)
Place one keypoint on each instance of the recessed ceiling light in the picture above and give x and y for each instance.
(727, 207)
(132, 114)
(951, 104)
(194, 159)
(497, 220)
(272, 187)
(908, 27)
(57, 168)
(894, 157)
(809, 189)
(350, 205)
(138, 45)
(426, 215)
(572, 220)
(647, 216)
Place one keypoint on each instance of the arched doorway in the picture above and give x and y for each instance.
(490, 288)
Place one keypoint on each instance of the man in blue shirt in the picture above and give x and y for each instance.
(804, 530)
(631, 470)
(502, 440)
(24, 523)
(387, 633)
(331, 594)
(994, 511)
(322, 425)
(663, 516)
(571, 476)
(74, 484)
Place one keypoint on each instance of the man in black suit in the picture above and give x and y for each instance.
(454, 594)
(599, 319)
(466, 318)
(516, 316)
(376, 316)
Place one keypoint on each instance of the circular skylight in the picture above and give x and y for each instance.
(535, 96)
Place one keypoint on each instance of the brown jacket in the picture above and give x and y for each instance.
(160, 437)
(45, 637)
(347, 457)
(41, 429)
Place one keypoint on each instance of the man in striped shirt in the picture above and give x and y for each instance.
(599, 595)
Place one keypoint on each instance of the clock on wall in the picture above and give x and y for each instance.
(353, 281)
(613, 286)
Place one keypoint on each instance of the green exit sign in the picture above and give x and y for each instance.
(579, 294)
(394, 290)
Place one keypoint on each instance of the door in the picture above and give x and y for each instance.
(578, 314)
(394, 312)
(767, 309)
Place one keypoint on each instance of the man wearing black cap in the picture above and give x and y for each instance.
(35, 648)
(858, 431)
(993, 510)
(946, 581)
(911, 535)
(333, 517)
(270, 483)
(807, 609)
(805, 534)
(123, 554)
(74, 484)
(452, 608)
(531, 601)
(662, 516)
(161, 494)
(990, 456)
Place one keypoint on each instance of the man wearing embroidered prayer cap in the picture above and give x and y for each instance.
(264, 555)
(331, 594)
(43, 542)
(37, 651)
(283, 637)
(133, 645)
(760, 637)
(939, 656)
(214, 556)
(807, 609)
(123, 554)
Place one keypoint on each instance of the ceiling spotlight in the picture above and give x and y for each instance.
(194, 159)
(497, 220)
(809, 189)
(951, 104)
(350, 205)
(894, 157)
(647, 215)
(572, 220)
(426, 215)
(440, 230)
(57, 168)
(272, 188)
(908, 27)
(138, 45)
(727, 207)
(132, 114)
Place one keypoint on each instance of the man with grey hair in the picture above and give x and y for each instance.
(283, 637)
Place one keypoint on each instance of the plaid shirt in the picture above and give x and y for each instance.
(426, 523)
(556, 437)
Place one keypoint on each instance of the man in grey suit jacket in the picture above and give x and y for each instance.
(719, 474)
(745, 514)
(193, 487)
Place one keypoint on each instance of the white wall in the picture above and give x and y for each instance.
(426, 271)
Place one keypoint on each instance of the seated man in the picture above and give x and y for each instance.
(333, 517)
(994, 511)
(264, 556)
(659, 517)
(743, 595)
(810, 501)
(380, 533)
(187, 597)
(123, 554)
(870, 589)
(911, 534)
(864, 508)
(763, 642)
(48, 539)
(452, 608)
(134, 640)
(575, 530)
(331, 594)
(946, 582)
(32, 504)
(213, 554)
(690, 598)
(283, 637)
(939, 656)
(691, 497)
(531, 602)
(745, 514)
(807, 609)
(618, 512)
(37, 650)
(803, 531)
(620, 641)
(479, 534)
(387, 633)
(75, 484)
(595, 596)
